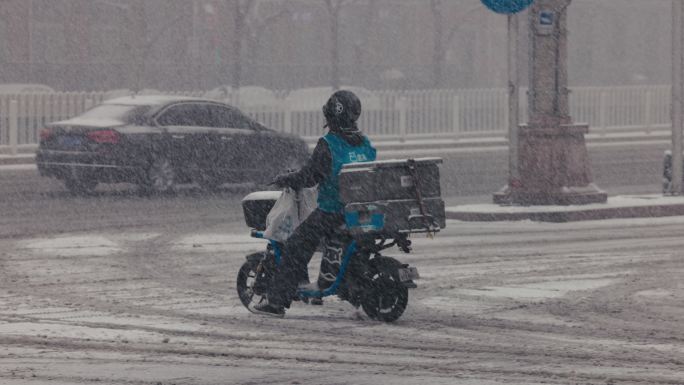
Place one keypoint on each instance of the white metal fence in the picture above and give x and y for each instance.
(386, 114)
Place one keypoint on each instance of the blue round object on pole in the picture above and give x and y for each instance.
(507, 7)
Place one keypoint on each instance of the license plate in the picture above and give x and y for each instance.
(408, 274)
(70, 141)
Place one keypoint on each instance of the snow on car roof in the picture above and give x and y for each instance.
(92, 122)
(148, 100)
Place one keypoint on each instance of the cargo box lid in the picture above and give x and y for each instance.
(391, 163)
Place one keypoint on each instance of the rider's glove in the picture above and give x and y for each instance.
(282, 180)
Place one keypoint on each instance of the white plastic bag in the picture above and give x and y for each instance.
(291, 209)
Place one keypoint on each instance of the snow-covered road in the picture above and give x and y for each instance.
(596, 302)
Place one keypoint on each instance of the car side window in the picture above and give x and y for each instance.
(187, 114)
(227, 117)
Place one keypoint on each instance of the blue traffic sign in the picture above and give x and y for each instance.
(507, 6)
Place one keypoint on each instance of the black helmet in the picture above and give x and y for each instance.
(342, 110)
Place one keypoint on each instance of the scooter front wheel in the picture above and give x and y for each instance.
(246, 281)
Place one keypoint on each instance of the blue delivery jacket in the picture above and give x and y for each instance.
(342, 152)
(323, 167)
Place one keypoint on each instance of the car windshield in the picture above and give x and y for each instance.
(120, 112)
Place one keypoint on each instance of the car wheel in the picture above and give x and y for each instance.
(79, 186)
(161, 176)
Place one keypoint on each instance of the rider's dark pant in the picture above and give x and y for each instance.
(297, 252)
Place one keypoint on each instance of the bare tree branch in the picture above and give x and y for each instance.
(457, 26)
(440, 41)
(334, 8)
(248, 5)
(151, 40)
(258, 26)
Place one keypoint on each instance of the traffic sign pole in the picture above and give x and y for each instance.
(511, 8)
(513, 102)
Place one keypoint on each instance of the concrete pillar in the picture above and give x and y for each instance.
(553, 161)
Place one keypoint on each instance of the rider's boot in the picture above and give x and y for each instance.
(311, 286)
(268, 309)
(304, 283)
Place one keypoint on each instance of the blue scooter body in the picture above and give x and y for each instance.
(303, 293)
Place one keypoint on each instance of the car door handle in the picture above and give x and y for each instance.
(178, 136)
(226, 138)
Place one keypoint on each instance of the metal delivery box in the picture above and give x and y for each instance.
(389, 180)
(393, 196)
(398, 216)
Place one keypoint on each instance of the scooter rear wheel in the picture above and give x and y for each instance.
(387, 298)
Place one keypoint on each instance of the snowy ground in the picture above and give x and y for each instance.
(117, 289)
(596, 302)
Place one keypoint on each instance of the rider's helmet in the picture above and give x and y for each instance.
(342, 111)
